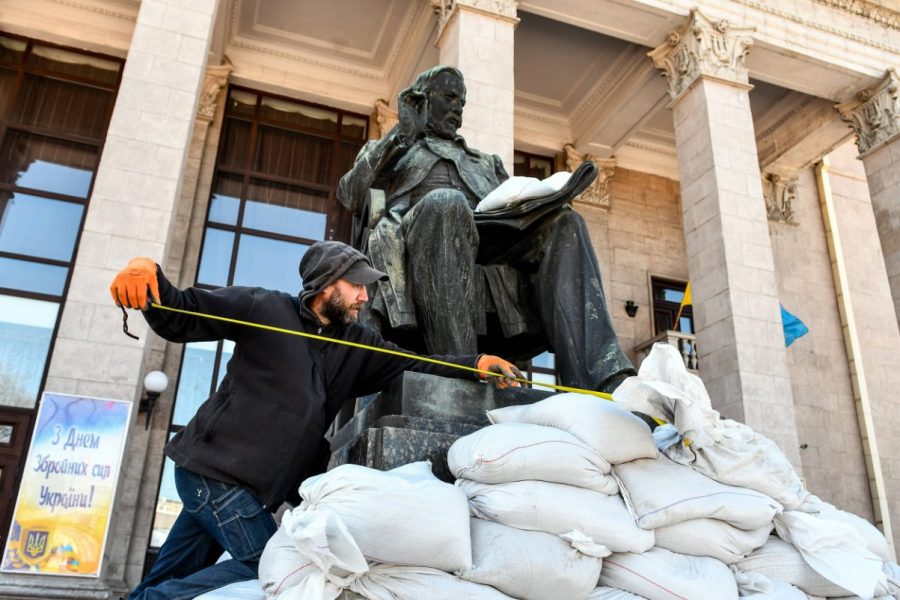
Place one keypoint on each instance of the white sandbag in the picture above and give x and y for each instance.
(722, 449)
(780, 561)
(608, 593)
(531, 565)
(241, 590)
(311, 556)
(660, 492)
(558, 509)
(892, 573)
(835, 550)
(405, 516)
(392, 582)
(509, 452)
(875, 540)
(711, 537)
(757, 586)
(610, 430)
(662, 575)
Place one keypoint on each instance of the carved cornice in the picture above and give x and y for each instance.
(703, 48)
(598, 192)
(806, 101)
(867, 10)
(213, 81)
(444, 9)
(875, 113)
(780, 193)
(385, 116)
(536, 115)
(766, 6)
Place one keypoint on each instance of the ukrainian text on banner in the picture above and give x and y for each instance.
(66, 495)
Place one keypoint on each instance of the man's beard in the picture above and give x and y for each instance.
(337, 312)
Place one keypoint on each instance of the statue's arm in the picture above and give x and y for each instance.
(371, 162)
(499, 170)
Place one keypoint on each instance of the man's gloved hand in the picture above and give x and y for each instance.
(495, 364)
(129, 288)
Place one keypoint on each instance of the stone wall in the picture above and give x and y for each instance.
(639, 235)
(833, 462)
(874, 312)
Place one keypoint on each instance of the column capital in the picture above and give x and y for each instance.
(385, 117)
(780, 191)
(503, 9)
(597, 194)
(703, 48)
(875, 113)
(214, 80)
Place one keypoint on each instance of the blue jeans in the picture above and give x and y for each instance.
(215, 516)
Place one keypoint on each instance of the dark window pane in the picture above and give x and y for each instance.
(241, 102)
(285, 209)
(194, 380)
(11, 50)
(354, 127)
(268, 263)
(43, 163)
(6, 434)
(26, 327)
(7, 81)
(216, 257)
(293, 155)
(32, 277)
(39, 226)
(540, 168)
(237, 144)
(226, 200)
(347, 156)
(72, 63)
(291, 113)
(62, 106)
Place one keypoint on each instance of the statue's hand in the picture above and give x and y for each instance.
(413, 114)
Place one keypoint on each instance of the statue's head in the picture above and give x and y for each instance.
(446, 92)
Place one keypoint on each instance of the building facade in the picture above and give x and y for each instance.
(749, 146)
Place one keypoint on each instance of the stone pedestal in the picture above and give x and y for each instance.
(418, 418)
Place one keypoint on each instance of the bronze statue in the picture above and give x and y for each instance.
(538, 290)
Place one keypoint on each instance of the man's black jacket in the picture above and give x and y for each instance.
(262, 427)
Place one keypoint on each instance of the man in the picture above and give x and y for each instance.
(259, 435)
(541, 291)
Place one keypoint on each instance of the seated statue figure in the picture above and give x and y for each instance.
(539, 291)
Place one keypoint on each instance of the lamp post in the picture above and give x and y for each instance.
(155, 383)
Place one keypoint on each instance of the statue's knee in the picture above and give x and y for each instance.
(445, 202)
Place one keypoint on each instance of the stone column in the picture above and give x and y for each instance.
(476, 36)
(131, 213)
(875, 117)
(739, 332)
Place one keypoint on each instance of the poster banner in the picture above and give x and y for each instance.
(66, 495)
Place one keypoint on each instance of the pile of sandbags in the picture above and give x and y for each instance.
(574, 498)
(544, 503)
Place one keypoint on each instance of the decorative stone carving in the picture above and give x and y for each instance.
(215, 79)
(598, 193)
(875, 113)
(444, 9)
(385, 116)
(869, 10)
(703, 48)
(780, 193)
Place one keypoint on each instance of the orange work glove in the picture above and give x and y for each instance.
(506, 370)
(129, 288)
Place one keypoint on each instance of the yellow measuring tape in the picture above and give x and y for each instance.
(561, 388)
